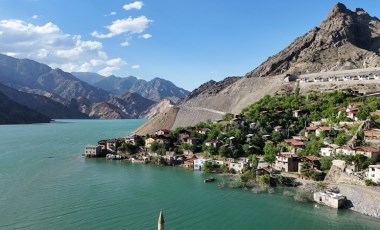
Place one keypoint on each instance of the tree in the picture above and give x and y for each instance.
(254, 160)
(270, 152)
(276, 136)
(341, 139)
(154, 146)
(228, 116)
(326, 163)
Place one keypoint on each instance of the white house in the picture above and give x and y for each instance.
(198, 164)
(93, 150)
(345, 150)
(238, 167)
(370, 152)
(328, 150)
(374, 173)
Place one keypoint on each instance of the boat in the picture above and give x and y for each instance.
(210, 179)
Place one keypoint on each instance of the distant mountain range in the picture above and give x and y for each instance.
(155, 89)
(57, 94)
(344, 40)
(12, 112)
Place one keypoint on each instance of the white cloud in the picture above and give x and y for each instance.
(110, 14)
(108, 71)
(135, 67)
(133, 6)
(116, 62)
(145, 36)
(35, 16)
(126, 43)
(48, 44)
(126, 25)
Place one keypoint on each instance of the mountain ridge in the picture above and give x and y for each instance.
(58, 94)
(155, 89)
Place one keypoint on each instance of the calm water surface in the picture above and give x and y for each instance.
(46, 184)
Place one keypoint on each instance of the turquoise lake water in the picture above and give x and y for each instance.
(46, 184)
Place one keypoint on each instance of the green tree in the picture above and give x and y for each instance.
(254, 160)
(228, 116)
(326, 163)
(341, 138)
(270, 152)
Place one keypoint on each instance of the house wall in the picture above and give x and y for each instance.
(323, 198)
(374, 173)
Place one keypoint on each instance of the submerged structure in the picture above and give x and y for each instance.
(161, 221)
(330, 198)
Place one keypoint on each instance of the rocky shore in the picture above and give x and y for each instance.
(362, 199)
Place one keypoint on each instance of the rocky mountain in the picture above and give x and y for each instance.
(44, 105)
(160, 107)
(12, 112)
(29, 74)
(58, 94)
(155, 89)
(344, 40)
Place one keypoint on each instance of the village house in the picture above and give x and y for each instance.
(310, 130)
(374, 173)
(203, 131)
(133, 139)
(295, 144)
(149, 141)
(351, 112)
(298, 113)
(248, 137)
(278, 128)
(311, 162)
(214, 143)
(189, 163)
(93, 150)
(372, 134)
(265, 171)
(330, 198)
(328, 150)
(103, 144)
(236, 166)
(192, 141)
(162, 132)
(370, 152)
(252, 125)
(324, 130)
(112, 145)
(345, 150)
(184, 134)
(287, 162)
(161, 139)
(198, 164)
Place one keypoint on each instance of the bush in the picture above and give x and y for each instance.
(369, 182)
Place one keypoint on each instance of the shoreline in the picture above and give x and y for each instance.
(361, 199)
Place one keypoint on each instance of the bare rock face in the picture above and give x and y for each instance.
(212, 87)
(159, 107)
(344, 40)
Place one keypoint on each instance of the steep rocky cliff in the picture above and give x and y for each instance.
(344, 40)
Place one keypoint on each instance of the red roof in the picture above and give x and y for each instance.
(288, 155)
(312, 158)
(367, 149)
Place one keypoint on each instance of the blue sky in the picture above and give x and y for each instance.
(186, 42)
